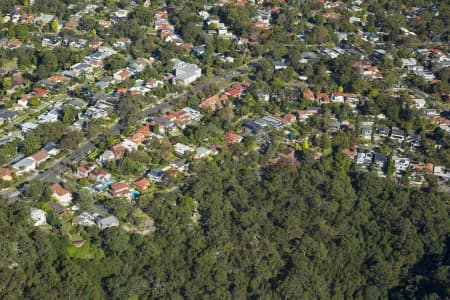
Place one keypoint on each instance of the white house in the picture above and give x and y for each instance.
(25, 165)
(185, 73)
(108, 222)
(182, 149)
(201, 152)
(38, 216)
(401, 164)
(106, 156)
(63, 196)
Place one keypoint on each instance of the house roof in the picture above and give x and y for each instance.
(4, 172)
(99, 173)
(142, 183)
(308, 94)
(119, 186)
(118, 149)
(57, 208)
(59, 190)
(233, 137)
(108, 221)
(38, 92)
(40, 155)
(57, 78)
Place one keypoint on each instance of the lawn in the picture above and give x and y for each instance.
(87, 251)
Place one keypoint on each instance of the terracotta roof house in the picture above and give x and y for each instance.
(63, 196)
(214, 102)
(85, 169)
(349, 153)
(38, 92)
(121, 75)
(232, 137)
(138, 138)
(57, 78)
(322, 98)
(308, 94)
(288, 119)
(6, 174)
(40, 156)
(100, 176)
(120, 189)
(118, 150)
(142, 184)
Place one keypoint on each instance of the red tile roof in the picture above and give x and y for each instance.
(59, 190)
(142, 184)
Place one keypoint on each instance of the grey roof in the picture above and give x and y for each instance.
(24, 163)
(57, 208)
(7, 114)
(108, 221)
(380, 157)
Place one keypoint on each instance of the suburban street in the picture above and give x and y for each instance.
(52, 173)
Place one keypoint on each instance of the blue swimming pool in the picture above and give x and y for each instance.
(135, 193)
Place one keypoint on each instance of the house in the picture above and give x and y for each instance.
(23, 101)
(100, 176)
(308, 94)
(140, 63)
(182, 149)
(38, 216)
(442, 172)
(201, 152)
(122, 75)
(401, 164)
(364, 158)
(288, 119)
(366, 130)
(108, 222)
(409, 63)
(142, 184)
(193, 114)
(198, 51)
(181, 165)
(129, 145)
(232, 137)
(6, 174)
(25, 165)
(39, 157)
(156, 175)
(7, 115)
(106, 156)
(57, 209)
(424, 168)
(214, 102)
(51, 148)
(383, 132)
(87, 218)
(379, 160)
(397, 134)
(280, 65)
(85, 169)
(119, 151)
(415, 140)
(120, 190)
(185, 73)
(334, 125)
(349, 153)
(63, 196)
(237, 89)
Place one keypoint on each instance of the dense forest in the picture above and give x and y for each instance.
(264, 232)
